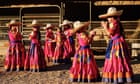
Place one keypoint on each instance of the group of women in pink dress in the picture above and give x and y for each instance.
(59, 47)
(72, 40)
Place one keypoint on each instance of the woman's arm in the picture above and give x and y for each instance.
(31, 35)
(110, 28)
(91, 35)
(104, 24)
(77, 46)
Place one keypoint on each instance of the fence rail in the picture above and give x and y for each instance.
(131, 28)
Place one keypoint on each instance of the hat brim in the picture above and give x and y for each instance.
(65, 24)
(82, 26)
(117, 13)
(14, 24)
(33, 25)
(48, 27)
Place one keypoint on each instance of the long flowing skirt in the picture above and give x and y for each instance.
(58, 54)
(15, 56)
(84, 67)
(117, 68)
(35, 59)
(49, 49)
(69, 50)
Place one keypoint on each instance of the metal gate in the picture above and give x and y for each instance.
(25, 14)
(43, 13)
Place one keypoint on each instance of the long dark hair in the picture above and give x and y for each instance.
(121, 29)
(38, 32)
(122, 33)
(38, 35)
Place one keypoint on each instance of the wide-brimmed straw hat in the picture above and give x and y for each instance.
(48, 26)
(79, 26)
(112, 11)
(35, 23)
(65, 22)
(13, 23)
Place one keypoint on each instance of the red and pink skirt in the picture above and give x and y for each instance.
(15, 56)
(35, 59)
(49, 49)
(117, 66)
(84, 67)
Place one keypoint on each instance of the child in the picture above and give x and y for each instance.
(117, 67)
(49, 42)
(35, 60)
(59, 50)
(16, 51)
(84, 67)
(68, 41)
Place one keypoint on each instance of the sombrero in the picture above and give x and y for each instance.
(48, 26)
(79, 26)
(112, 11)
(13, 22)
(65, 22)
(35, 23)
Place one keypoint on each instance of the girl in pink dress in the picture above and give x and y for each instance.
(49, 43)
(35, 59)
(16, 52)
(84, 67)
(59, 49)
(69, 44)
(117, 67)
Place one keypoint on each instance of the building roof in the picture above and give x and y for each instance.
(95, 2)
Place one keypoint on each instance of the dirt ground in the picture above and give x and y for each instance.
(55, 74)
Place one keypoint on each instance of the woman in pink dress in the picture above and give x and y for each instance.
(35, 59)
(117, 68)
(16, 52)
(69, 43)
(84, 66)
(49, 43)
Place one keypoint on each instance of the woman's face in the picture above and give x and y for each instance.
(14, 28)
(83, 29)
(66, 27)
(110, 19)
(49, 29)
(58, 30)
(36, 28)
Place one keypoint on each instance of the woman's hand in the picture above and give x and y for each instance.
(104, 24)
(92, 32)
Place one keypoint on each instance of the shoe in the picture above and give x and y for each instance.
(17, 70)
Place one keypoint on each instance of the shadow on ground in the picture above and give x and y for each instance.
(137, 78)
(59, 67)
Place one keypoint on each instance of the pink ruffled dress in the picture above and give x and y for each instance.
(69, 45)
(59, 49)
(49, 45)
(84, 66)
(117, 68)
(35, 59)
(16, 53)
